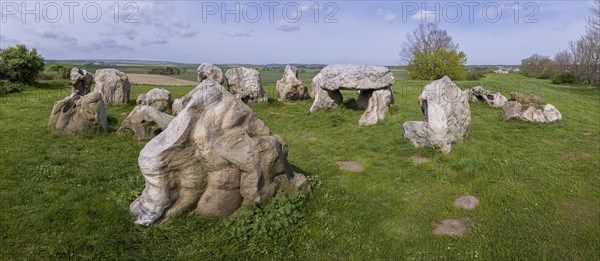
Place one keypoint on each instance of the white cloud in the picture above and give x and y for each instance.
(424, 16)
(390, 18)
(287, 27)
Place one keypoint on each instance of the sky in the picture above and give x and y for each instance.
(309, 32)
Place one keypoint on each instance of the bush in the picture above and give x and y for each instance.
(164, 71)
(474, 76)
(564, 78)
(7, 87)
(55, 71)
(20, 65)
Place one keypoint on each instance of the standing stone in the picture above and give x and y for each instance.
(290, 87)
(478, 93)
(378, 103)
(245, 84)
(211, 72)
(76, 113)
(113, 85)
(373, 83)
(146, 122)
(447, 116)
(160, 99)
(215, 158)
(81, 81)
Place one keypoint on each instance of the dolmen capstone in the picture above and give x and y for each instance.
(76, 113)
(290, 87)
(532, 113)
(210, 71)
(81, 80)
(372, 82)
(478, 93)
(447, 116)
(145, 122)
(113, 85)
(245, 84)
(215, 158)
(160, 99)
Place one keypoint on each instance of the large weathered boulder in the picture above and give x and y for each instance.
(373, 83)
(447, 116)
(525, 99)
(290, 87)
(146, 122)
(533, 113)
(478, 93)
(356, 77)
(160, 99)
(211, 72)
(245, 84)
(214, 158)
(113, 85)
(81, 80)
(76, 113)
(180, 103)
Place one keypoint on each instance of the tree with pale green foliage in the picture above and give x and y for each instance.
(20, 64)
(430, 54)
(433, 65)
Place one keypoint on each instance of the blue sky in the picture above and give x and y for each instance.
(366, 32)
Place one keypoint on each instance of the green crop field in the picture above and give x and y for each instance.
(67, 197)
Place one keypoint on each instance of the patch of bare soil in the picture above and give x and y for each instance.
(466, 202)
(453, 227)
(350, 166)
(155, 79)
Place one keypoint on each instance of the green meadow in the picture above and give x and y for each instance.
(67, 197)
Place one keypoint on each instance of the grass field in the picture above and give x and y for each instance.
(67, 197)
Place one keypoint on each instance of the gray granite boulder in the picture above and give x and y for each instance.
(113, 85)
(478, 93)
(533, 113)
(211, 72)
(447, 116)
(81, 80)
(246, 84)
(373, 83)
(215, 158)
(160, 99)
(76, 113)
(146, 122)
(290, 87)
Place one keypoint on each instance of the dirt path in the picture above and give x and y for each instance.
(155, 79)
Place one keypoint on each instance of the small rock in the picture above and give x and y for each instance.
(350, 166)
(466, 202)
(454, 227)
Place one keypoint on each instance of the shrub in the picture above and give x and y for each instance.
(55, 71)
(474, 76)
(564, 78)
(7, 87)
(21, 65)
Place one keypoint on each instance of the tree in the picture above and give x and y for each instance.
(430, 54)
(20, 64)
(426, 37)
(563, 62)
(433, 65)
(537, 66)
(594, 20)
